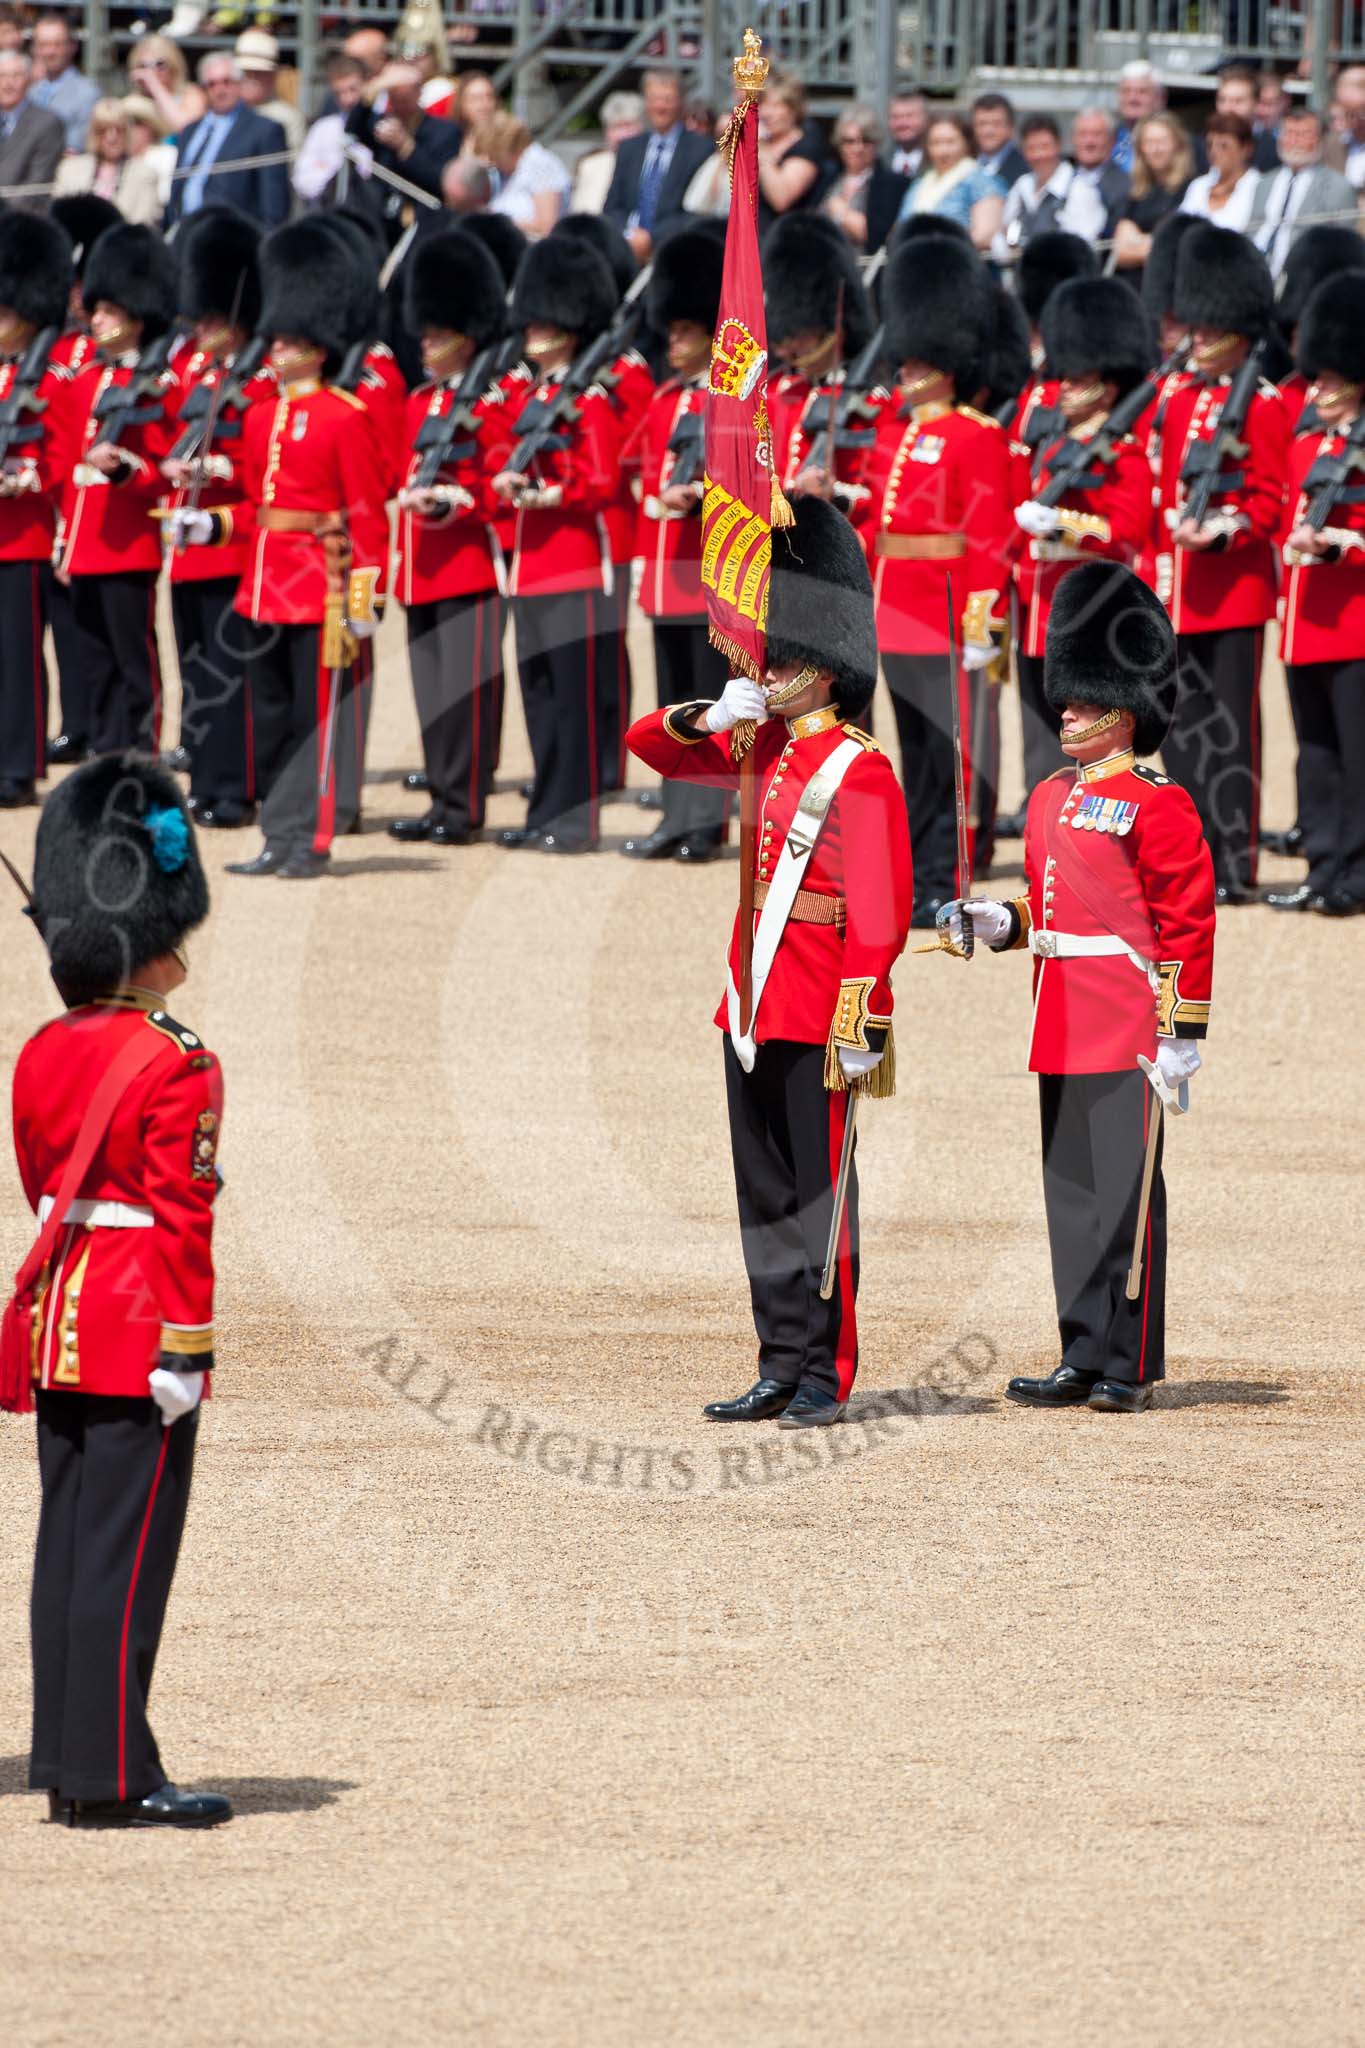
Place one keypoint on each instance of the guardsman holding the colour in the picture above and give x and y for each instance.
(1119, 916)
(832, 896)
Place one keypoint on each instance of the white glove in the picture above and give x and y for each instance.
(190, 529)
(990, 920)
(362, 629)
(978, 654)
(1039, 520)
(1177, 1059)
(854, 1063)
(741, 698)
(175, 1393)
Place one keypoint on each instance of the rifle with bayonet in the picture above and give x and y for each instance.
(1330, 478)
(436, 441)
(1080, 465)
(141, 400)
(194, 440)
(845, 413)
(545, 422)
(1202, 471)
(21, 411)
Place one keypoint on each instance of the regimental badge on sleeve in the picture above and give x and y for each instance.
(204, 1149)
(1105, 814)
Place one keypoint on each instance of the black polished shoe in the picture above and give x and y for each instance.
(526, 789)
(168, 1807)
(416, 778)
(225, 817)
(16, 796)
(1303, 898)
(1064, 1388)
(268, 861)
(1234, 896)
(303, 867)
(65, 751)
(555, 842)
(518, 835)
(765, 1398)
(58, 1810)
(177, 759)
(1118, 1397)
(697, 849)
(925, 915)
(1283, 842)
(650, 799)
(1341, 903)
(661, 844)
(813, 1408)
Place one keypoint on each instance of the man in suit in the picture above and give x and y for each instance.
(1345, 152)
(57, 84)
(993, 130)
(230, 133)
(390, 121)
(907, 121)
(1302, 188)
(31, 140)
(654, 170)
(1239, 87)
(1092, 149)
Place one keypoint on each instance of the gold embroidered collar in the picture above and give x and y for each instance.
(1113, 764)
(935, 410)
(303, 388)
(812, 722)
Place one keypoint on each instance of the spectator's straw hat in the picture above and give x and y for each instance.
(256, 51)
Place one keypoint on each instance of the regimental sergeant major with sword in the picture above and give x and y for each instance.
(832, 893)
(1119, 916)
(35, 426)
(316, 480)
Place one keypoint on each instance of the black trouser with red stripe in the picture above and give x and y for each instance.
(215, 645)
(562, 658)
(1094, 1144)
(1214, 746)
(78, 656)
(115, 1488)
(687, 666)
(455, 652)
(924, 722)
(307, 735)
(614, 697)
(1329, 715)
(23, 672)
(786, 1132)
(117, 613)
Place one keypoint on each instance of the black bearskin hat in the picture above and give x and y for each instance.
(453, 282)
(36, 271)
(1006, 364)
(117, 879)
(1332, 329)
(1319, 253)
(217, 251)
(131, 267)
(820, 602)
(1158, 275)
(565, 283)
(502, 238)
(1110, 642)
(1049, 260)
(1098, 323)
(604, 236)
(307, 284)
(685, 283)
(85, 216)
(1222, 282)
(917, 224)
(807, 261)
(939, 306)
(362, 239)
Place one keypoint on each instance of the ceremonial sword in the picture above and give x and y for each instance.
(1177, 1100)
(943, 942)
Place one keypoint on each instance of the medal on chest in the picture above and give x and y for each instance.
(1104, 814)
(928, 448)
(298, 426)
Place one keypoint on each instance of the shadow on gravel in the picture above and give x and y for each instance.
(1221, 1394)
(916, 1402)
(378, 864)
(248, 1795)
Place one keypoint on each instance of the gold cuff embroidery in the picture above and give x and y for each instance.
(1022, 910)
(182, 1343)
(853, 1014)
(976, 618)
(1083, 525)
(1173, 1009)
(685, 735)
(361, 602)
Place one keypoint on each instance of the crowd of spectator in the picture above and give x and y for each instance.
(393, 132)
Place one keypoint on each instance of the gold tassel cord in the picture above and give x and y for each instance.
(878, 1086)
(780, 513)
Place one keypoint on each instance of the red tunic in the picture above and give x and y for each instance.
(108, 523)
(630, 387)
(314, 449)
(1110, 522)
(862, 856)
(669, 542)
(116, 1298)
(223, 493)
(787, 396)
(451, 553)
(805, 444)
(568, 546)
(28, 521)
(383, 392)
(938, 480)
(1322, 612)
(1096, 1015)
(1153, 564)
(1216, 591)
(1294, 390)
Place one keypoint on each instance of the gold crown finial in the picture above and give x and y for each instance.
(750, 68)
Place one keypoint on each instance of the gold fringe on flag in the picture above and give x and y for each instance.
(780, 513)
(877, 1086)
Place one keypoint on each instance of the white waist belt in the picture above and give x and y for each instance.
(103, 1215)
(1048, 945)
